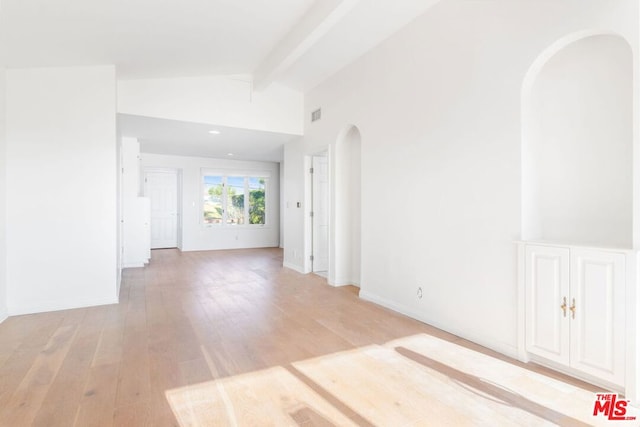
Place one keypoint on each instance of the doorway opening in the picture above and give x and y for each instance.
(162, 187)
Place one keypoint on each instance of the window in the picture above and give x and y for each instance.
(232, 200)
(235, 200)
(257, 187)
(213, 209)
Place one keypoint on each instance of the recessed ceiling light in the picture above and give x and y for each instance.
(214, 132)
(229, 154)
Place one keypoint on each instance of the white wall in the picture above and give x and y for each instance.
(580, 140)
(214, 100)
(3, 201)
(438, 108)
(198, 237)
(294, 217)
(61, 195)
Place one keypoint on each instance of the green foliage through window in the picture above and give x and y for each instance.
(234, 200)
(213, 209)
(257, 200)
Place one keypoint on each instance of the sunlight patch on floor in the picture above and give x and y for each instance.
(270, 397)
(418, 380)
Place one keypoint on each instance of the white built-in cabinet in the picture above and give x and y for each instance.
(575, 310)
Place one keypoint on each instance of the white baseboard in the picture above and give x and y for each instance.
(45, 306)
(503, 348)
(228, 247)
(3, 314)
(341, 282)
(133, 265)
(293, 267)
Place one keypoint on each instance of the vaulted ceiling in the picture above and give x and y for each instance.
(147, 38)
(298, 43)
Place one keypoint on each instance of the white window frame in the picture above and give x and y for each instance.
(225, 174)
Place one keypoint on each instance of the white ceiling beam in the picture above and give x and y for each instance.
(317, 22)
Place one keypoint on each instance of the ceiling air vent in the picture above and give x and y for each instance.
(316, 115)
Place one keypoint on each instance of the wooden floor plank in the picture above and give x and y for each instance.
(109, 347)
(13, 372)
(134, 383)
(71, 379)
(97, 406)
(59, 414)
(30, 394)
(137, 414)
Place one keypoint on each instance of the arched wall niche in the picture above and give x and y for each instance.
(577, 143)
(345, 258)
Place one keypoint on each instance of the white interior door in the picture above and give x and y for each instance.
(320, 211)
(161, 187)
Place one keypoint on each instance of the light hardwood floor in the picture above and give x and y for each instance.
(187, 319)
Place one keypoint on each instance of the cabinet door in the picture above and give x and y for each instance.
(597, 323)
(547, 287)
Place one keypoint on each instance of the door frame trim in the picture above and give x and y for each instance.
(179, 207)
